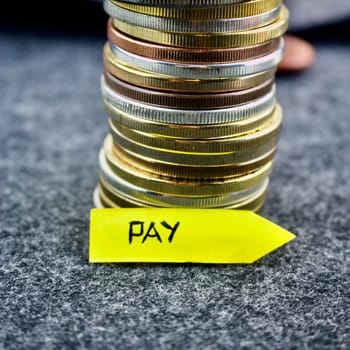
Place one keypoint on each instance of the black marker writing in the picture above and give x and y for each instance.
(172, 229)
(155, 234)
(132, 233)
(154, 230)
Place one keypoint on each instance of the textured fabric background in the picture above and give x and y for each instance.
(52, 126)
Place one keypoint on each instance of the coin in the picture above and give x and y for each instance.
(232, 143)
(115, 103)
(195, 159)
(216, 40)
(183, 132)
(102, 200)
(196, 71)
(192, 26)
(146, 197)
(185, 187)
(183, 3)
(160, 168)
(188, 101)
(189, 55)
(238, 10)
(163, 82)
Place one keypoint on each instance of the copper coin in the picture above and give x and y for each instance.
(188, 101)
(188, 55)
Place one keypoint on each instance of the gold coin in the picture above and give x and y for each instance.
(194, 159)
(187, 187)
(225, 40)
(254, 139)
(244, 9)
(153, 166)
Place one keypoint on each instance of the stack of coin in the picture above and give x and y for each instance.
(189, 89)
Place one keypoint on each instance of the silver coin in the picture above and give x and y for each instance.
(205, 132)
(96, 199)
(184, 3)
(158, 200)
(201, 71)
(115, 101)
(253, 203)
(178, 26)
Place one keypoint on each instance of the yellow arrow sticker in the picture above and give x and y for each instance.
(182, 235)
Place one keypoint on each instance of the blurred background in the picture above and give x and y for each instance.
(322, 19)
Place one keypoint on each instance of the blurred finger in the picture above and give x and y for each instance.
(299, 54)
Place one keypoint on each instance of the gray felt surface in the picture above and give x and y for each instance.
(52, 126)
